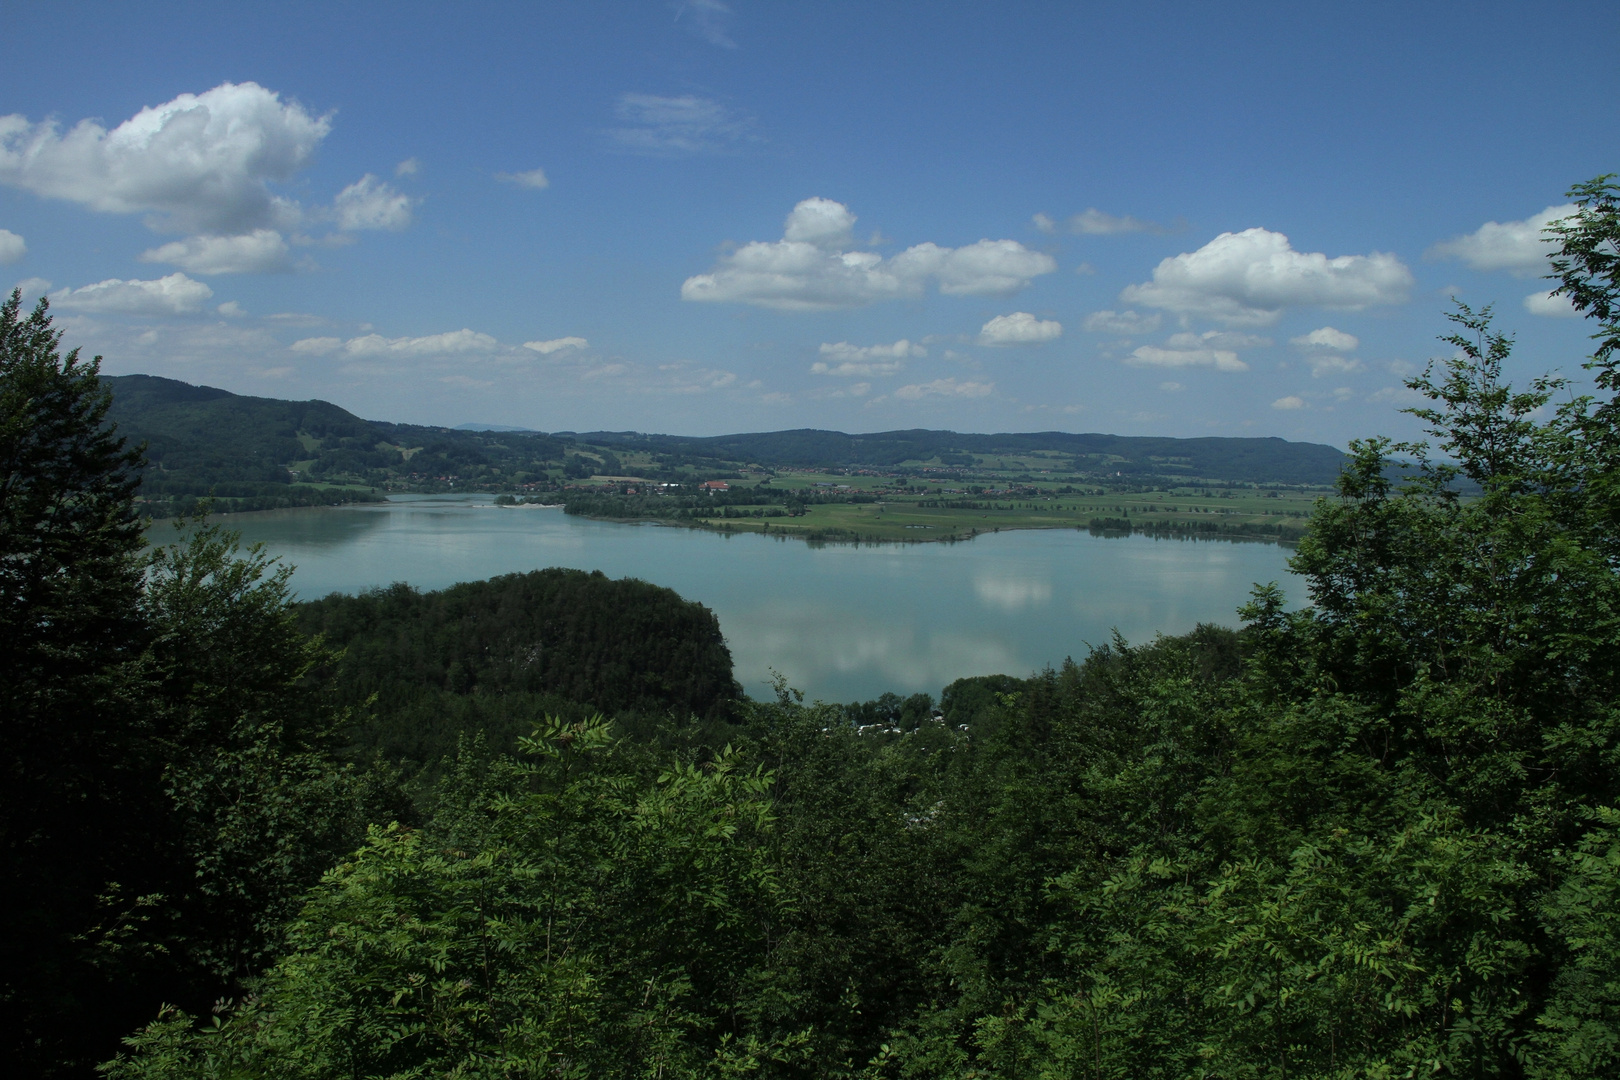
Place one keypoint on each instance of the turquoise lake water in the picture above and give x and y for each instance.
(842, 622)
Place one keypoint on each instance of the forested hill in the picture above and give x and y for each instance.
(1263, 461)
(253, 452)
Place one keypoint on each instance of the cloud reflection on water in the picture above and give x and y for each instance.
(841, 622)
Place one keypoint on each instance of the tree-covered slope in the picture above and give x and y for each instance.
(250, 452)
(422, 669)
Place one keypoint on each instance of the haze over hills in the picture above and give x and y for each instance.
(256, 453)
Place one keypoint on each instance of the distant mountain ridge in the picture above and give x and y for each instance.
(1257, 460)
(202, 440)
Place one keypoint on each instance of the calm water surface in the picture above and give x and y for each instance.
(841, 622)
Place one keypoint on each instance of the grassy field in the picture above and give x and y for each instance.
(924, 516)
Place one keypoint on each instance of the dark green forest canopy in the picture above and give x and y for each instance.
(613, 645)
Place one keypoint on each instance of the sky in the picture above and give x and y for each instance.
(703, 217)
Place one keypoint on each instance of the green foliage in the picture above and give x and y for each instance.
(496, 656)
(168, 796)
(76, 781)
(567, 918)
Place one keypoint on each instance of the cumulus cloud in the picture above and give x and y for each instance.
(261, 251)
(810, 268)
(172, 295)
(867, 361)
(1516, 246)
(231, 310)
(1121, 322)
(409, 167)
(370, 203)
(534, 179)
(1289, 402)
(1019, 328)
(12, 247)
(1545, 303)
(1153, 356)
(676, 125)
(1093, 222)
(200, 163)
(820, 222)
(944, 388)
(1248, 278)
(1325, 350)
(1326, 338)
(546, 348)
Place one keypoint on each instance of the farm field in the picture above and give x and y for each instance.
(953, 512)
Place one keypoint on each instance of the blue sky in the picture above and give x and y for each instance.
(705, 217)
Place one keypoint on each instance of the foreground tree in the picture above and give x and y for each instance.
(168, 791)
(77, 780)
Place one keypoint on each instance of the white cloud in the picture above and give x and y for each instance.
(33, 288)
(1019, 328)
(12, 247)
(1289, 402)
(822, 222)
(1326, 338)
(1216, 339)
(1545, 303)
(261, 251)
(1323, 348)
(409, 167)
(944, 388)
(1093, 222)
(1516, 246)
(172, 295)
(676, 125)
(1248, 278)
(534, 179)
(316, 346)
(1170, 387)
(231, 310)
(865, 360)
(199, 163)
(454, 343)
(1121, 322)
(1219, 359)
(987, 268)
(370, 203)
(810, 269)
(546, 348)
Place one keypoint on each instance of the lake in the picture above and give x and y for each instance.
(842, 622)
